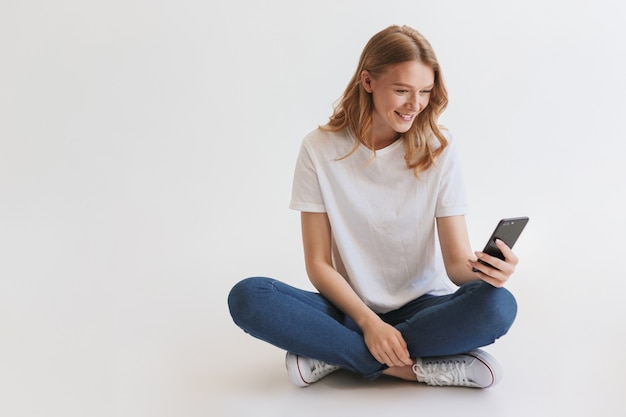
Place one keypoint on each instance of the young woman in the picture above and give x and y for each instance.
(385, 240)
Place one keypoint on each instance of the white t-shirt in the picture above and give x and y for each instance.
(382, 217)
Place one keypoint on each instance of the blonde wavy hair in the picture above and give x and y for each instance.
(394, 45)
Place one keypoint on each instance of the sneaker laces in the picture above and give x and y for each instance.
(442, 372)
(321, 368)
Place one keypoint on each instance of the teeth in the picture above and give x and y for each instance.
(405, 116)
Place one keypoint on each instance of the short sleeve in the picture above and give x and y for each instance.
(452, 197)
(306, 194)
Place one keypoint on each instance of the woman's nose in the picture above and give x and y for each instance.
(414, 102)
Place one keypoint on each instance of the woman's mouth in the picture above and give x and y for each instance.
(406, 117)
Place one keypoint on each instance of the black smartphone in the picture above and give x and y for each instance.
(507, 230)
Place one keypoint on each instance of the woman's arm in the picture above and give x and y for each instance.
(384, 341)
(459, 259)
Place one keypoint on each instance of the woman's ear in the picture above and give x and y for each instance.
(366, 81)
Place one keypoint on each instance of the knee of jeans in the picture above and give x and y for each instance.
(242, 296)
(500, 306)
(504, 308)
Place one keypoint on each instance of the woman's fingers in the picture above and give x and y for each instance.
(493, 270)
(388, 347)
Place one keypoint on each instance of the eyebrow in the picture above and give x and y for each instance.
(410, 86)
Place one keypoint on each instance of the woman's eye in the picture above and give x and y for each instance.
(402, 91)
(425, 91)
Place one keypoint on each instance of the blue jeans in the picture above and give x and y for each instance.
(307, 324)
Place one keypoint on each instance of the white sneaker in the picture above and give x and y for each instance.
(305, 371)
(476, 369)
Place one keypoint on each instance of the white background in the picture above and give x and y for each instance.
(146, 154)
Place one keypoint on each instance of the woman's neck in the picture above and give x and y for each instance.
(382, 134)
(384, 141)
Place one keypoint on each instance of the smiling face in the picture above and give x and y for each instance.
(399, 95)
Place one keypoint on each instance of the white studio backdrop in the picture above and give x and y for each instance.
(147, 148)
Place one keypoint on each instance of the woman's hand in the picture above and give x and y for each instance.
(502, 269)
(386, 344)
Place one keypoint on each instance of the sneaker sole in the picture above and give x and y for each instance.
(293, 369)
(489, 362)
